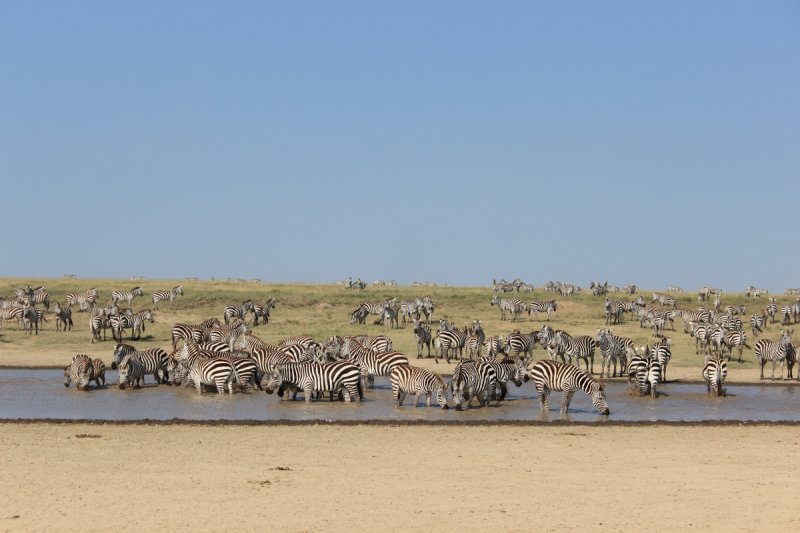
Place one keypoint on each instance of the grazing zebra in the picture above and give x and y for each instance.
(79, 372)
(673, 288)
(512, 304)
(714, 372)
(407, 379)
(167, 295)
(735, 309)
(758, 322)
(537, 307)
(731, 339)
(472, 379)
(554, 376)
(126, 296)
(196, 333)
(579, 347)
(645, 371)
(154, 360)
(311, 377)
(359, 315)
(88, 297)
(520, 343)
(450, 340)
(422, 336)
(229, 332)
(767, 350)
(262, 311)
(63, 315)
(237, 311)
(772, 309)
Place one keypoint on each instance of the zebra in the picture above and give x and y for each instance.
(657, 322)
(303, 340)
(215, 371)
(429, 284)
(521, 343)
(505, 369)
(645, 371)
(131, 372)
(786, 313)
(39, 296)
(237, 311)
(494, 346)
(239, 280)
(792, 357)
(537, 307)
(473, 346)
(416, 284)
(665, 299)
(359, 315)
(79, 372)
(422, 336)
(98, 372)
(472, 380)
(31, 318)
(411, 308)
(135, 322)
(660, 351)
(407, 379)
(450, 340)
(506, 305)
(772, 309)
(69, 276)
(579, 347)
(554, 376)
(735, 309)
(372, 364)
(373, 308)
(767, 350)
(8, 313)
(673, 288)
(166, 295)
(427, 309)
(262, 311)
(80, 298)
(611, 349)
(97, 323)
(254, 280)
(630, 289)
(390, 316)
(311, 377)
(196, 333)
(218, 347)
(714, 372)
(613, 309)
(63, 315)
(717, 302)
(153, 361)
(758, 322)
(229, 332)
(703, 293)
(126, 296)
(733, 339)
(250, 343)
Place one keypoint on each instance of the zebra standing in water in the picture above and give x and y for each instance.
(767, 350)
(714, 372)
(554, 376)
(167, 295)
(126, 296)
(237, 311)
(312, 377)
(408, 379)
(370, 363)
(79, 372)
(537, 307)
(472, 380)
(154, 360)
(512, 304)
(661, 352)
(645, 371)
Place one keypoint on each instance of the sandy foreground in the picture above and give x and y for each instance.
(411, 478)
(18, 357)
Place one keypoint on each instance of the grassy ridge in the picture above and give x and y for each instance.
(323, 310)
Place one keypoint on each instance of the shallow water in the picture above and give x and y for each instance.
(41, 394)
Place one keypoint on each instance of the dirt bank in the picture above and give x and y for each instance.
(410, 478)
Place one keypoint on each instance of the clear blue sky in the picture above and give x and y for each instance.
(654, 143)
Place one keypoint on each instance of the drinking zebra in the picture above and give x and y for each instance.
(554, 376)
(131, 372)
(79, 372)
(311, 377)
(537, 307)
(767, 350)
(407, 379)
(166, 295)
(237, 311)
(506, 370)
(714, 372)
(153, 360)
(126, 296)
(472, 380)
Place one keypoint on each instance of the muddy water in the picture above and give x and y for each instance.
(41, 394)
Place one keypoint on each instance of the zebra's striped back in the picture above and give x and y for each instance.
(166, 295)
(126, 296)
(554, 376)
(407, 379)
(311, 377)
(714, 372)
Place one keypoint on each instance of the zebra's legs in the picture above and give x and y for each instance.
(543, 396)
(565, 400)
(416, 399)
(399, 396)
